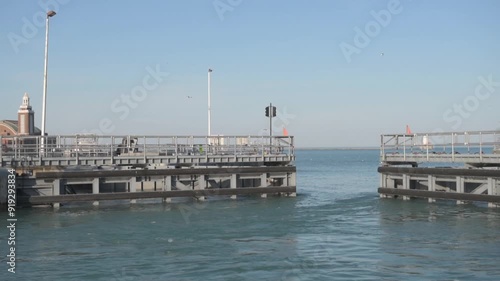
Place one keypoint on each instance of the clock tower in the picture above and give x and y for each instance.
(26, 118)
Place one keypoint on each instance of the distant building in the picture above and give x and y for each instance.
(23, 126)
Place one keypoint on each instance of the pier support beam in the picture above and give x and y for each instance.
(167, 186)
(383, 180)
(125, 184)
(234, 184)
(132, 187)
(406, 185)
(431, 186)
(460, 185)
(57, 189)
(383, 184)
(263, 183)
(460, 188)
(292, 181)
(202, 184)
(493, 190)
(95, 189)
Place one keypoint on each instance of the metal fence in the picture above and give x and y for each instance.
(96, 146)
(439, 145)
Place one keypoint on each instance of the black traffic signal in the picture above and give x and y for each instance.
(273, 112)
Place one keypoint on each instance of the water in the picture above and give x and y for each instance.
(336, 229)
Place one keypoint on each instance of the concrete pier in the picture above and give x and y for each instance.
(461, 166)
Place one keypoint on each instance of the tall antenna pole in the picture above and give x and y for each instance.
(209, 105)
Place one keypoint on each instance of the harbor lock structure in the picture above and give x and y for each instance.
(461, 166)
(61, 169)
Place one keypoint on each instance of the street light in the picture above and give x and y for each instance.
(49, 15)
(209, 106)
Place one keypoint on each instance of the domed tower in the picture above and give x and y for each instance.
(26, 117)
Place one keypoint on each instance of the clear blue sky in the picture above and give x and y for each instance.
(285, 52)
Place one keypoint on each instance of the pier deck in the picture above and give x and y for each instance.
(464, 166)
(61, 169)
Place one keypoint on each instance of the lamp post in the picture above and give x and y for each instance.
(44, 102)
(209, 106)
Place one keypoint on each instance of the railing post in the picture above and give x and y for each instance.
(16, 147)
(427, 145)
(37, 146)
(135, 144)
(404, 147)
(64, 146)
(382, 148)
(111, 148)
(467, 141)
(176, 152)
(262, 149)
(453, 147)
(77, 151)
(289, 148)
(158, 147)
(481, 146)
(39, 149)
(235, 145)
(207, 140)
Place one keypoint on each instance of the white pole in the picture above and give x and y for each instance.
(209, 106)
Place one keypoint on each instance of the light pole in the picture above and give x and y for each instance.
(44, 102)
(209, 106)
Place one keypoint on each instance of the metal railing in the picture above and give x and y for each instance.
(435, 146)
(96, 146)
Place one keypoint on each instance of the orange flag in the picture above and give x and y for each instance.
(408, 130)
(285, 132)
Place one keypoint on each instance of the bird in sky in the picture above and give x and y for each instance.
(189, 97)
(381, 54)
